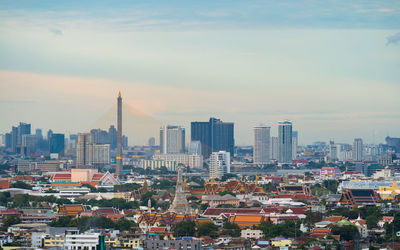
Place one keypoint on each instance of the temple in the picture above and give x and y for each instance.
(180, 204)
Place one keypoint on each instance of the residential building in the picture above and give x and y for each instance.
(262, 148)
(285, 142)
(157, 164)
(57, 144)
(295, 144)
(358, 149)
(172, 139)
(189, 160)
(184, 244)
(329, 173)
(74, 240)
(274, 148)
(220, 164)
(214, 136)
(251, 234)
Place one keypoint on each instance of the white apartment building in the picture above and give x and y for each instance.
(81, 241)
(262, 147)
(220, 164)
(172, 139)
(192, 161)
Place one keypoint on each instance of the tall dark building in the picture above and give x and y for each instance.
(57, 142)
(100, 136)
(118, 169)
(16, 136)
(214, 136)
(394, 143)
(112, 137)
(8, 140)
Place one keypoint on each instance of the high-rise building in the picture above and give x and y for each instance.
(8, 139)
(295, 144)
(23, 129)
(358, 149)
(113, 137)
(333, 152)
(84, 150)
(274, 148)
(100, 154)
(2, 140)
(214, 136)
(285, 142)
(194, 148)
(262, 147)
(220, 164)
(100, 136)
(28, 145)
(118, 169)
(89, 153)
(151, 142)
(57, 144)
(14, 139)
(172, 139)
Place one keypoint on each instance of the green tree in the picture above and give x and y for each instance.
(207, 229)
(346, 232)
(231, 229)
(20, 184)
(10, 220)
(124, 224)
(184, 228)
(226, 192)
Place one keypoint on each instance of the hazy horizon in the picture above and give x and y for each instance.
(330, 67)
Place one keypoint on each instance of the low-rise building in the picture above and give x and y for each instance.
(251, 234)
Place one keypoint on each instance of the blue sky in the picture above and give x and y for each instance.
(329, 66)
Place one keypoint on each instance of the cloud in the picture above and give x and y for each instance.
(56, 32)
(395, 39)
(385, 10)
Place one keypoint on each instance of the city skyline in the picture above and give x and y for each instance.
(330, 68)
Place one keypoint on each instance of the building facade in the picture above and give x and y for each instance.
(214, 136)
(220, 164)
(262, 148)
(285, 142)
(172, 139)
(358, 149)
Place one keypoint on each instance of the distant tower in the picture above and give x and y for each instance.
(119, 142)
(285, 142)
(262, 149)
(358, 149)
(180, 204)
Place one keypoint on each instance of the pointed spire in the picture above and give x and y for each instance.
(119, 94)
(256, 180)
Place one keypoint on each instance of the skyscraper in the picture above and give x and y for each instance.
(274, 148)
(118, 170)
(285, 142)
(84, 149)
(100, 136)
(295, 143)
(172, 139)
(357, 149)
(220, 164)
(214, 136)
(262, 148)
(113, 137)
(57, 142)
(89, 153)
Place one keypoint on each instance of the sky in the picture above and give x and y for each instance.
(331, 67)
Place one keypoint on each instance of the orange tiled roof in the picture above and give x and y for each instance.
(65, 184)
(334, 218)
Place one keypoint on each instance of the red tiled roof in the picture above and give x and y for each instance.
(158, 230)
(97, 177)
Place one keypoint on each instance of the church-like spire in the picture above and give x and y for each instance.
(119, 94)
